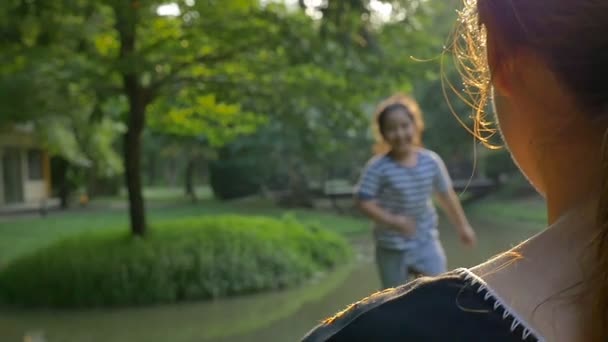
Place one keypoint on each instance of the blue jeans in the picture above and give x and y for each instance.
(427, 258)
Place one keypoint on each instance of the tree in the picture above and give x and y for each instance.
(138, 57)
(43, 86)
(423, 30)
(202, 129)
(161, 56)
(335, 69)
(297, 89)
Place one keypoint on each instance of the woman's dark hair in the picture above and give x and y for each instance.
(570, 35)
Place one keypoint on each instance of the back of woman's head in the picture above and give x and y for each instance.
(396, 102)
(571, 37)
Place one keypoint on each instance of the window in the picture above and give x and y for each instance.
(34, 164)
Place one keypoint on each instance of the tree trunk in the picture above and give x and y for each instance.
(132, 153)
(91, 178)
(126, 24)
(62, 182)
(132, 156)
(189, 179)
(298, 194)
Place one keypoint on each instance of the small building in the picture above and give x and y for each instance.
(25, 173)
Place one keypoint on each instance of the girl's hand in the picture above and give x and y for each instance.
(467, 236)
(404, 224)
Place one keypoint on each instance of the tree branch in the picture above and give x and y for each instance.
(178, 68)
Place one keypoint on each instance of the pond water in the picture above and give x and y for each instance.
(279, 316)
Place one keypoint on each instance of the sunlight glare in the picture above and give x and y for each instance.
(381, 9)
(168, 10)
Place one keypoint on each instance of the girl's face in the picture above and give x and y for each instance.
(399, 130)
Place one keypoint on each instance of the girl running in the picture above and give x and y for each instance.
(396, 190)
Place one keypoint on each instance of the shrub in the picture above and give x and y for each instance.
(222, 174)
(189, 259)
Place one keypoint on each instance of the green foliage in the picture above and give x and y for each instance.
(296, 85)
(48, 83)
(186, 259)
(328, 79)
(223, 173)
(499, 163)
(190, 114)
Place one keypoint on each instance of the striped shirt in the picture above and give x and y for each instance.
(403, 190)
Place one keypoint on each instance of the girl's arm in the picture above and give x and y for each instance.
(400, 223)
(450, 203)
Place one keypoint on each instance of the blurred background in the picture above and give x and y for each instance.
(183, 170)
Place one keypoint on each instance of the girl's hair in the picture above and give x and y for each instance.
(570, 35)
(396, 102)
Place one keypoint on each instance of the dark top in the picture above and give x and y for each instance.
(457, 306)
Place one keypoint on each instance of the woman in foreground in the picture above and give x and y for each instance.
(546, 65)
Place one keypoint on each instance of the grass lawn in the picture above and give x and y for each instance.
(20, 235)
(529, 210)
